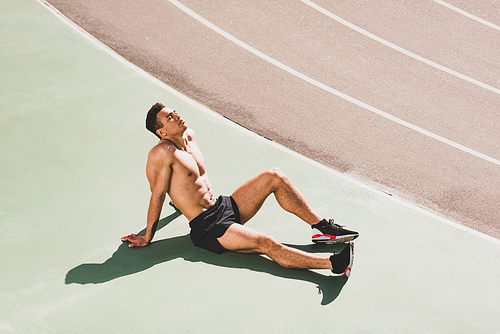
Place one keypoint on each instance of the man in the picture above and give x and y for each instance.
(176, 167)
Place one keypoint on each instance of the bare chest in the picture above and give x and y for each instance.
(189, 164)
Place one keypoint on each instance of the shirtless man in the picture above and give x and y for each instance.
(176, 167)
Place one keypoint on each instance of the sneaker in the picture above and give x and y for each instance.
(327, 232)
(342, 262)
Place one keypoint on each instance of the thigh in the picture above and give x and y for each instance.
(251, 195)
(239, 238)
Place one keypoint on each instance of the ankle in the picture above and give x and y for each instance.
(319, 222)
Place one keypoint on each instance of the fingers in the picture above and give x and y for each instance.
(130, 237)
(134, 239)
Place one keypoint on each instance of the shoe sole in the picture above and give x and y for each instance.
(328, 240)
(347, 271)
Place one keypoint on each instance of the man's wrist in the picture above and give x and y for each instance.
(152, 232)
(148, 238)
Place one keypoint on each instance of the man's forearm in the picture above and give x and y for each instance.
(154, 211)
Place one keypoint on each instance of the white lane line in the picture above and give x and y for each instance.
(400, 49)
(329, 89)
(469, 15)
(216, 115)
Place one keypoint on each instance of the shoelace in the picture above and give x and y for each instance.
(332, 222)
(333, 225)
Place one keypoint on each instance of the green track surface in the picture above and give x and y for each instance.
(73, 149)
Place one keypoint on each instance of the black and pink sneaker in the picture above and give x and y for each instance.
(327, 232)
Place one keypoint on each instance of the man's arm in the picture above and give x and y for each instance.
(158, 171)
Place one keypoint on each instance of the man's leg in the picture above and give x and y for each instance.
(241, 239)
(251, 195)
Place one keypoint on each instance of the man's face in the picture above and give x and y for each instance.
(172, 122)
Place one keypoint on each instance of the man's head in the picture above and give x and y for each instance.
(152, 123)
(163, 121)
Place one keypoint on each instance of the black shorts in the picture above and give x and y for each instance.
(213, 223)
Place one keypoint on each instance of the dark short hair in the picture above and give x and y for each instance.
(152, 123)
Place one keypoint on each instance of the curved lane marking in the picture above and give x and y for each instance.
(329, 89)
(400, 49)
(469, 15)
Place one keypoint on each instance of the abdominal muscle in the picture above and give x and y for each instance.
(192, 198)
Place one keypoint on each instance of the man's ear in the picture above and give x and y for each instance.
(161, 132)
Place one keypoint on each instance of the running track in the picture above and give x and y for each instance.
(73, 148)
(402, 97)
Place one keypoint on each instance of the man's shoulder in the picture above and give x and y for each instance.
(162, 151)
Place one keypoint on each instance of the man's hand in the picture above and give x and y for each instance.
(136, 240)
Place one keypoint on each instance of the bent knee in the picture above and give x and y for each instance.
(276, 174)
(275, 171)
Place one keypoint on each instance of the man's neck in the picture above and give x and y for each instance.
(179, 141)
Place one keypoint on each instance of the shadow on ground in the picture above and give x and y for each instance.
(126, 261)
